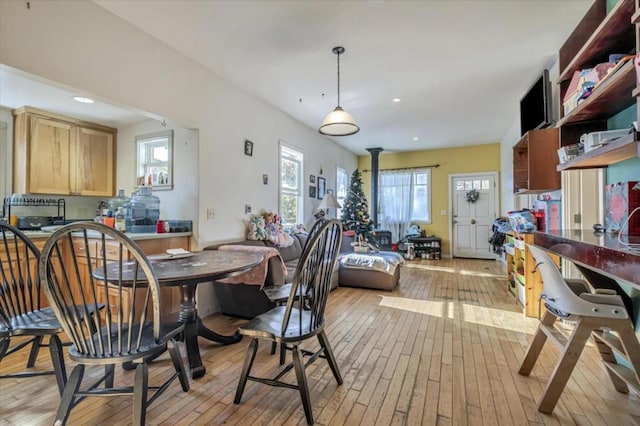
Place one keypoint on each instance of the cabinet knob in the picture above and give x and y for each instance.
(473, 221)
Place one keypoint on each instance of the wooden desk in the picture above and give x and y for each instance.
(599, 257)
(601, 253)
(187, 273)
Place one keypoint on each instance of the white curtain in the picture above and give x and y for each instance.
(396, 202)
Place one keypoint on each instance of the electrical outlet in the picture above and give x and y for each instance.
(443, 212)
(211, 214)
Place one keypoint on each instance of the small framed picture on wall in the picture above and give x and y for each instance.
(321, 187)
(312, 192)
(312, 179)
(248, 148)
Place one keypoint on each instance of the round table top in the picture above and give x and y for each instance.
(196, 267)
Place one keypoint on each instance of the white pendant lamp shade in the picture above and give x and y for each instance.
(339, 122)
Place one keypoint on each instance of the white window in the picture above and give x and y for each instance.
(405, 198)
(155, 159)
(291, 188)
(342, 184)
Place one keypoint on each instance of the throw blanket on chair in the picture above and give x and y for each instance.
(257, 274)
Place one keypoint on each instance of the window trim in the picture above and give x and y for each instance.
(346, 173)
(147, 138)
(301, 180)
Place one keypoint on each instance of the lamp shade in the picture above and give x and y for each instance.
(339, 123)
(329, 202)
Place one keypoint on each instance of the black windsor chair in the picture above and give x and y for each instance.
(23, 310)
(130, 329)
(301, 318)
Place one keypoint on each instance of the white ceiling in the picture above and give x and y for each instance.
(459, 67)
(18, 89)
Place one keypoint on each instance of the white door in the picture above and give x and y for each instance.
(472, 220)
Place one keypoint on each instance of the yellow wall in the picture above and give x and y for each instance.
(468, 159)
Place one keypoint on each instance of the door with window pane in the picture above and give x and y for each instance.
(472, 220)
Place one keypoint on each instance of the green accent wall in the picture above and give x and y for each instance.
(611, 4)
(629, 169)
(622, 172)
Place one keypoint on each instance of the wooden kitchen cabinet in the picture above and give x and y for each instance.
(55, 154)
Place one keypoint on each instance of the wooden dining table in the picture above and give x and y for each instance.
(187, 271)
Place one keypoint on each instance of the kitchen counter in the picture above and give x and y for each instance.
(36, 235)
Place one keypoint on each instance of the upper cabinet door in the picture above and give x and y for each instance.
(95, 166)
(50, 157)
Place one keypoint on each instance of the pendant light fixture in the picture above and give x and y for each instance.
(339, 122)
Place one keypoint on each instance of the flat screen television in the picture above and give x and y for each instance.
(535, 105)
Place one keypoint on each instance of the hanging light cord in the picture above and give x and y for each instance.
(338, 78)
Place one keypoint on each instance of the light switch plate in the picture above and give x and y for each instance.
(443, 212)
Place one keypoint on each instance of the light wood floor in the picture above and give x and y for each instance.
(442, 348)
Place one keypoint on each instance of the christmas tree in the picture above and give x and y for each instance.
(355, 209)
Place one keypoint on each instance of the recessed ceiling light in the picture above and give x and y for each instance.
(83, 99)
(396, 100)
(416, 138)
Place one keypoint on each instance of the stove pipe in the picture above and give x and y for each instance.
(374, 183)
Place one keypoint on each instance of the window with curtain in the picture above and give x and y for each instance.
(291, 189)
(405, 198)
(342, 184)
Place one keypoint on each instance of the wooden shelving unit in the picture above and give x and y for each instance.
(612, 96)
(596, 37)
(523, 280)
(534, 162)
(613, 33)
(613, 152)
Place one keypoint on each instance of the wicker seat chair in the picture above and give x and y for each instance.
(130, 328)
(601, 314)
(23, 310)
(302, 317)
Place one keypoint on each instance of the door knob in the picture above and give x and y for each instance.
(473, 221)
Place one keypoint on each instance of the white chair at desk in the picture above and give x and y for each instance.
(593, 312)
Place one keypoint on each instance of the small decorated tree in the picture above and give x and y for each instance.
(355, 209)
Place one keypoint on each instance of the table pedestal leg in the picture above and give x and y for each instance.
(193, 327)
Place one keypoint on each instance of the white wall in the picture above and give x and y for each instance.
(110, 59)
(176, 203)
(6, 150)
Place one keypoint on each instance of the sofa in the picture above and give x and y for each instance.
(378, 270)
(248, 300)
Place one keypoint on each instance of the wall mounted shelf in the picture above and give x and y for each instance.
(611, 97)
(613, 33)
(620, 149)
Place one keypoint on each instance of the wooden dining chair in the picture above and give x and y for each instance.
(24, 313)
(130, 328)
(301, 319)
(601, 314)
(279, 294)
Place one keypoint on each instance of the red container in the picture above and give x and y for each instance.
(160, 227)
